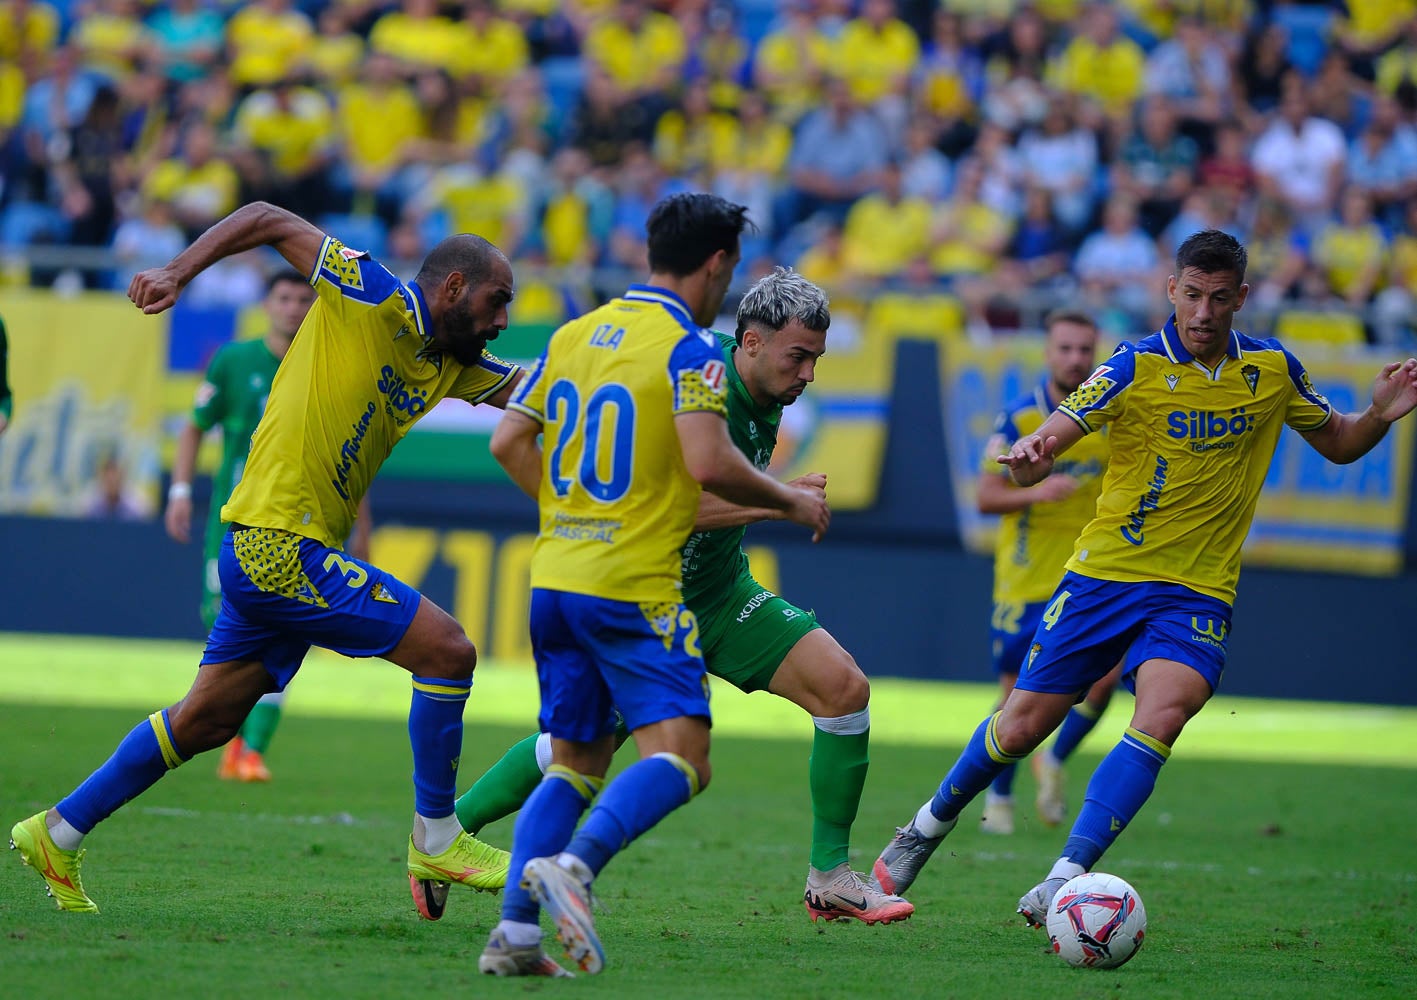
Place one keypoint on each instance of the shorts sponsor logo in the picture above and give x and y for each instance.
(1212, 631)
(755, 602)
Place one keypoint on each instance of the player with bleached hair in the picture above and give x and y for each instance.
(751, 637)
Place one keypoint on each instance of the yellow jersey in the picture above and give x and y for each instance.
(1190, 451)
(1034, 544)
(360, 371)
(617, 502)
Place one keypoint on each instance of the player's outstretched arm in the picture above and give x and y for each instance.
(515, 447)
(255, 225)
(1031, 457)
(716, 512)
(721, 468)
(1347, 437)
(178, 516)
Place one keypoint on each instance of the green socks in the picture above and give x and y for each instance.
(836, 774)
(260, 725)
(502, 788)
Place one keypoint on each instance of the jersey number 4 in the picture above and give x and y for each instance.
(607, 480)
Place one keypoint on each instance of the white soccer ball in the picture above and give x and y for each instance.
(1096, 921)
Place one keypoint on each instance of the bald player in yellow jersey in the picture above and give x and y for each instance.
(1194, 412)
(632, 402)
(372, 355)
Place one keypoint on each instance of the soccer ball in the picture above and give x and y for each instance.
(1096, 921)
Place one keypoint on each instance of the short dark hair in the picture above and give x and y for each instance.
(283, 276)
(1068, 314)
(685, 230)
(466, 253)
(1211, 251)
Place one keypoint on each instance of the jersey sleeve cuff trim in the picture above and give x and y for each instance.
(501, 383)
(1077, 418)
(527, 411)
(314, 276)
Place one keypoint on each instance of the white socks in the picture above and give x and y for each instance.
(438, 834)
(1065, 869)
(65, 837)
(927, 824)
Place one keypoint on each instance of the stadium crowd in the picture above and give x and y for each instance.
(991, 149)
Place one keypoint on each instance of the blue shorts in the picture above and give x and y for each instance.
(1011, 632)
(594, 655)
(1091, 624)
(282, 593)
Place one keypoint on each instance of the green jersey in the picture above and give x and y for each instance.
(234, 397)
(714, 560)
(4, 384)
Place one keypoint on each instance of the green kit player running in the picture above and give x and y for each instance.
(750, 637)
(233, 397)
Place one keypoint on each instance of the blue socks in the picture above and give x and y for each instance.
(642, 795)
(435, 732)
(544, 825)
(1003, 785)
(1119, 788)
(145, 755)
(1076, 725)
(976, 767)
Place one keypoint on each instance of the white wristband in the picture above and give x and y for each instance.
(179, 491)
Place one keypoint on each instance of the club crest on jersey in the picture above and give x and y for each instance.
(1172, 379)
(1252, 377)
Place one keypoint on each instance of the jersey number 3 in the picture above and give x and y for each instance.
(605, 477)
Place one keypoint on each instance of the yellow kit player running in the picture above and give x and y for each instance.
(1194, 413)
(631, 399)
(1037, 527)
(372, 356)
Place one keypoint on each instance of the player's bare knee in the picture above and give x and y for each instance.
(1019, 733)
(453, 658)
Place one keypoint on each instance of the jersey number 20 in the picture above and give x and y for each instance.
(563, 403)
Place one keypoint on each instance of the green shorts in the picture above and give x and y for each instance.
(746, 631)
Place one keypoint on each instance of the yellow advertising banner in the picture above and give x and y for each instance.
(1312, 514)
(87, 374)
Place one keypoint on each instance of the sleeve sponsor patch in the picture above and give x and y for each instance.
(702, 389)
(205, 392)
(713, 375)
(342, 264)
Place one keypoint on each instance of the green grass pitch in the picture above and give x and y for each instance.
(1276, 859)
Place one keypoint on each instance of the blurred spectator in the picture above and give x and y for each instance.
(639, 186)
(1016, 97)
(792, 60)
(284, 140)
(85, 162)
(1398, 66)
(150, 238)
(462, 198)
(603, 124)
(187, 38)
(1383, 161)
(642, 51)
(720, 55)
(1156, 166)
(112, 498)
(1002, 168)
(1117, 265)
(924, 170)
(231, 283)
(876, 54)
(1100, 63)
(885, 230)
(266, 40)
(1192, 70)
(1277, 255)
(1336, 94)
(199, 185)
(1228, 168)
(1061, 156)
(968, 236)
(377, 121)
(29, 32)
(1351, 252)
(824, 261)
(417, 35)
(1264, 65)
(576, 212)
(1395, 308)
(1299, 159)
(1370, 28)
(693, 136)
(488, 50)
(837, 157)
(336, 53)
(111, 37)
(1205, 208)
(952, 81)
